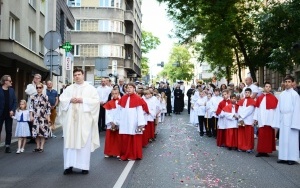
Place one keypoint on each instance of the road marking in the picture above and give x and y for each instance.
(124, 175)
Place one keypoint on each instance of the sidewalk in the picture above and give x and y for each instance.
(13, 139)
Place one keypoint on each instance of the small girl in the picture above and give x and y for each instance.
(22, 129)
(163, 103)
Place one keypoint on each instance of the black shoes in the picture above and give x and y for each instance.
(84, 171)
(68, 171)
(7, 150)
(291, 162)
(281, 161)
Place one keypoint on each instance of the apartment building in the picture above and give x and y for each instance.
(23, 25)
(107, 32)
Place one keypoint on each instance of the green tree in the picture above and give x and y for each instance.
(184, 71)
(279, 27)
(149, 42)
(229, 28)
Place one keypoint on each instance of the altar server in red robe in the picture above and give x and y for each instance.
(264, 116)
(131, 124)
(221, 132)
(230, 115)
(246, 129)
(112, 121)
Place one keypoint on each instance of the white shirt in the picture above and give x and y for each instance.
(253, 88)
(103, 92)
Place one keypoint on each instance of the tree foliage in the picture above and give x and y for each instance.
(179, 54)
(149, 42)
(239, 33)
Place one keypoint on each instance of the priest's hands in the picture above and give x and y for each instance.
(76, 100)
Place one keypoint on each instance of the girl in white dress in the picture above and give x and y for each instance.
(22, 129)
(163, 103)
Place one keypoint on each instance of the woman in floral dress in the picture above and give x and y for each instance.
(40, 111)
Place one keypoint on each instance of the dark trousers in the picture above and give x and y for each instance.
(189, 105)
(208, 126)
(101, 121)
(8, 128)
(214, 129)
(201, 124)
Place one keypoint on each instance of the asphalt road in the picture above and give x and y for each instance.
(178, 158)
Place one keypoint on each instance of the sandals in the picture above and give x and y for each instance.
(38, 150)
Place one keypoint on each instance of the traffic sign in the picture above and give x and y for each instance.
(52, 40)
(52, 58)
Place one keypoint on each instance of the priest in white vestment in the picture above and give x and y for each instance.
(288, 122)
(79, 111)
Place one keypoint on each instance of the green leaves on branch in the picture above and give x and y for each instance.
(184, 71)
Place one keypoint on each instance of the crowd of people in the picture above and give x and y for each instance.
(236, 115)
(129, 113)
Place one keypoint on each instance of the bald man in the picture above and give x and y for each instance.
(253, 87)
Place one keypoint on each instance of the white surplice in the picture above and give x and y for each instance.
(263, 115)
(246, 113)
(131, 118)
(80, 125)
(288, 121)
(112, 115)
(229, 120)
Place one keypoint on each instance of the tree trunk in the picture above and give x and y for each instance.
(238, 64)
(244, 52)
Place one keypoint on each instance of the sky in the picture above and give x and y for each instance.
(155, 20)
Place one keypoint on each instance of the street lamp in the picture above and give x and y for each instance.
(176, 64)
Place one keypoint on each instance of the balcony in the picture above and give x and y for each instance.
(129, 15)
(129, 39)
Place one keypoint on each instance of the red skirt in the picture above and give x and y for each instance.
(151, 126)
(221, 137)
(246, 137)
(146, 136)
(231, 137)
(112, 143)
(131, 147)
(266, 140)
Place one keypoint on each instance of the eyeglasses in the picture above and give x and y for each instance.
(8, 80)
(39, 88)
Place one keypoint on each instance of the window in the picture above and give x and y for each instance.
(74, 3)
(110, 3)
(43, 7)
(89, 25)
(111, 26)
(77, 25)
(104, 25)
(76, 50)
(32, 3)
(12, 28)
(31, 39)
(41, 45)
(111, 51)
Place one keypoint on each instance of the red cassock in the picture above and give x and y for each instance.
(112, 143)
(246, 133)
(221, 133)
(131, 147)
(266, 134)
(231, 139)
(246, 137)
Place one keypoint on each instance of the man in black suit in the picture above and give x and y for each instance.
(8, 105)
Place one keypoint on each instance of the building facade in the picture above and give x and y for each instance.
(108, 35)
(23, 25)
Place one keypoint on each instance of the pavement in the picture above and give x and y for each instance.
(178, 158)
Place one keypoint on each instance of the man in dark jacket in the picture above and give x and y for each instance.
(189, 94)
(8, 105)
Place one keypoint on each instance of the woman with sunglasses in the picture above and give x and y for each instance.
(40, 111)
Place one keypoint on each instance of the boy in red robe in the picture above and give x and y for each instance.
(221, 132)
(246, 129)
(264, 116)
(112, 121)
(229, 113)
